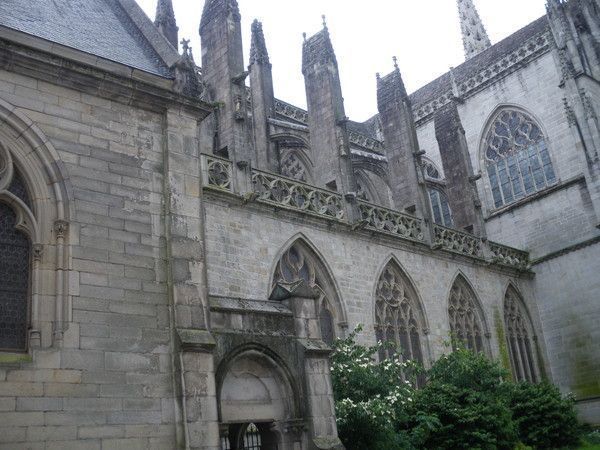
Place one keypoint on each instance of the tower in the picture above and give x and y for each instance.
(475, 38)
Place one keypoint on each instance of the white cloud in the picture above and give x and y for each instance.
(423, 34)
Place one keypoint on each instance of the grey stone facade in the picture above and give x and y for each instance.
(195, 242)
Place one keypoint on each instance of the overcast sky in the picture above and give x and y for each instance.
(423, 34)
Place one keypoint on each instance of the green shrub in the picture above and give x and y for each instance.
(464, 394)
(543, 417)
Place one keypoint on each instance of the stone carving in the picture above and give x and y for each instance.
(397, 315)
(219, 172)
(509, 256)
(512, 61)
(6, 168)
(390, 221)
(291, 194)
(457, 241)
(293, 167)
(519, 338)
(466, 324)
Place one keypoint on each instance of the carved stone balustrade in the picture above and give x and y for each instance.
(389, 221)
(288, 193)
(457, 241)
(217, 173)
(508, 256)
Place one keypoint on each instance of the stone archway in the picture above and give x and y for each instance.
(256, 396)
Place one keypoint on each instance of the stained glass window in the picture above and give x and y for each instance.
(466, 318)
(14, 282)
(440, 208)
(517, 158)
(398, 317)
(17, 187)
(519, 337)
(252, 440)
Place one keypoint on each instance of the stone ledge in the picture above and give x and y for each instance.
(194, 340)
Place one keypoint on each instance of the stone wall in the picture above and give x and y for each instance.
(244, 243)
(110, 383)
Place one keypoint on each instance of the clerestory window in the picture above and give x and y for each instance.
(516, 157)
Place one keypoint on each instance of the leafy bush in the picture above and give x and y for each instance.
(371, 397)
(464, 404)
(464, 393)
(543, 417)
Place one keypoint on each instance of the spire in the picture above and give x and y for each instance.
(258, 46)
(213, 9)
(165, 21)
(475, 38)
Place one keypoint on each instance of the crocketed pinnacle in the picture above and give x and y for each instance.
(165, 21)
(215, 9)
(258, 46)
(318, 49)
(390, 88)
(475, 38)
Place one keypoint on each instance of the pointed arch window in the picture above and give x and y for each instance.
(398, 316)
(440, 207)
(520, 338)
(15, 266)
(516, 157)
(466, 317)
(300, 263)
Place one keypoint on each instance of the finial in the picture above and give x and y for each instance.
(395, 62)
(324, 21)
(378, 75)
(185, 45)
(304, 36)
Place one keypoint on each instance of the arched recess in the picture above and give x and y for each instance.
(294, 160)
(399, 314)
(254, 386)
(33, 185)
(515, 155)
(299, 260)
(468, 326)
(436, 188)
(520, 337)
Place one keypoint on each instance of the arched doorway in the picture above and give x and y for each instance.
(256, 401)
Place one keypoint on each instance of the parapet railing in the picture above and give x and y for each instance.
(286, 193)
(389, 221)
(508, 256)
(457, 241)
(217, 173)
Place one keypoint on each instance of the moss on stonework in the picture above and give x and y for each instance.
(585, 369)
(504, 357)
(14, 358)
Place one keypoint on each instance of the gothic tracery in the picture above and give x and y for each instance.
(466, 321)
(517, 158)
(398, 318)
(297, 263)
(519, 337)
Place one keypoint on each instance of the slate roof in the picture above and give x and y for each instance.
(99, 27)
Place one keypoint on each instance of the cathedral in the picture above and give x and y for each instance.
(179, 249)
